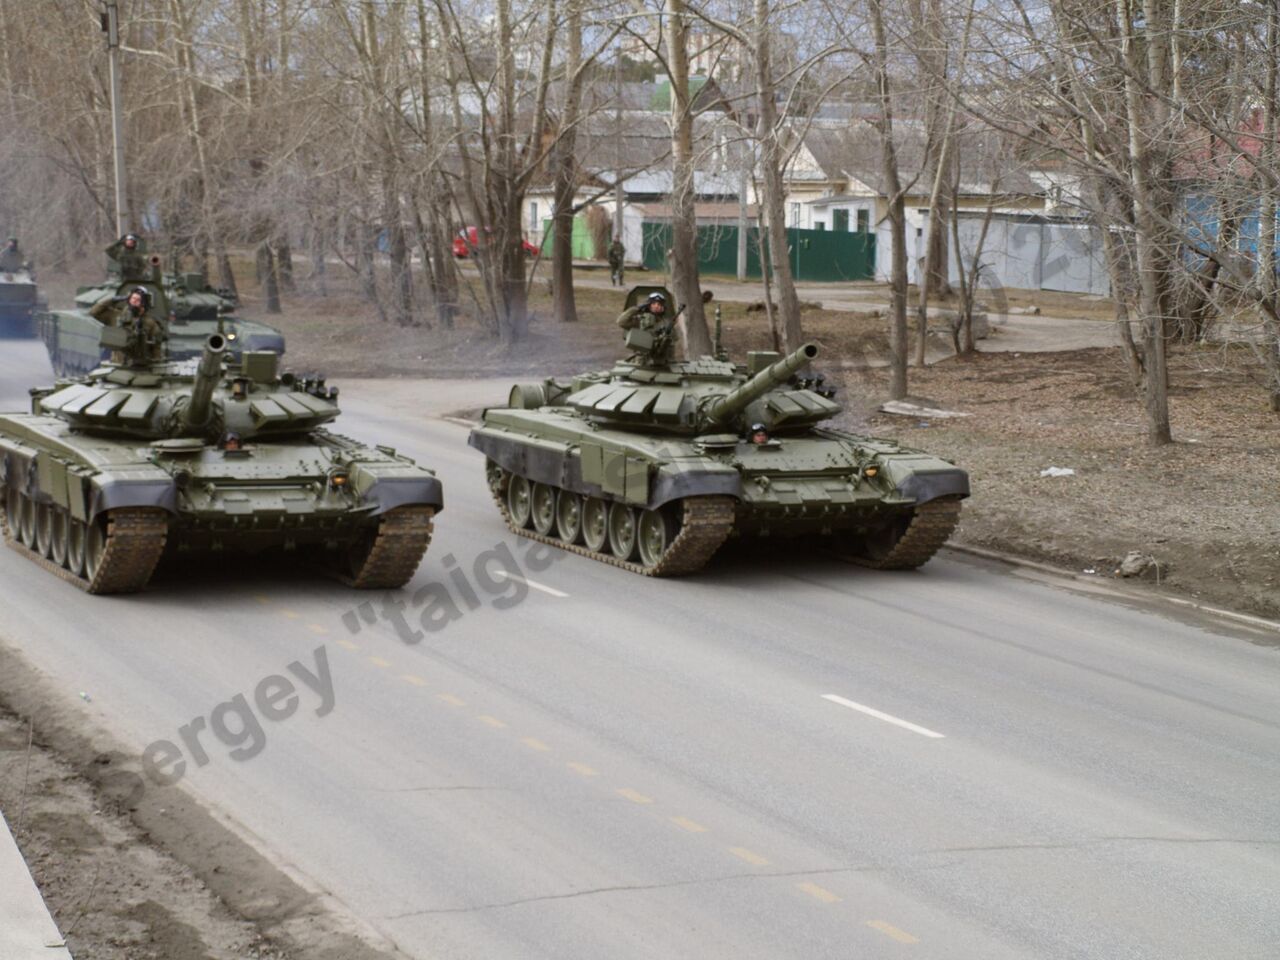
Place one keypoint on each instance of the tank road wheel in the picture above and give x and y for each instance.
(909, 541)
(542, 507)
(58, 540)
(569, 516)
(387, 556)
(27, 521)
(518, 501)
(77, 533)
(13, 509)
(622, 531)
(595, 524)
(655, 532)
(495, 476)
(44, 529)
(95, 547)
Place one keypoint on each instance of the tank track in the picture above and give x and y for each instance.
(931, 526)
(135, 540)
(402, 540)
(706, 523)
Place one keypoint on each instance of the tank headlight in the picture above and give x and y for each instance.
(338, 480)
(870, 471)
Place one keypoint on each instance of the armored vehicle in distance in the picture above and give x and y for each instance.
(653, 464)
(142, 458)
(20, 301)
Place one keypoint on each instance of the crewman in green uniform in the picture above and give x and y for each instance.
(133, 312)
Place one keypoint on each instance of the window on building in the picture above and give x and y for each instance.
(840, 221)
(533, 216)
(795, 214)
(819, 224)
(864, 220)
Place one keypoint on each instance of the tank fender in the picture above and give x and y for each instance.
(925, 478)
(133, 493)
(387, 492)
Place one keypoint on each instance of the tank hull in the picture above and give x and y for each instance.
(58, 484)
(819, 482)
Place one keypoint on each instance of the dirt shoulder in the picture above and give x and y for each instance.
(1205, 509)
(141, 874)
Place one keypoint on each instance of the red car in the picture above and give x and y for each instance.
(469, 240)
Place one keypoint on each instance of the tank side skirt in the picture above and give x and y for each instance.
(559, 469)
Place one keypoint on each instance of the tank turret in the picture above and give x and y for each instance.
(776, 375)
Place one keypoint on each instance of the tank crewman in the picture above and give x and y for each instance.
(616, 255)
(133, 311)
(644, 315)
(11, 257)
(759, 434)
(130, 256)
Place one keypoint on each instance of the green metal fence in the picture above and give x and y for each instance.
(584, 245)
(816, 255)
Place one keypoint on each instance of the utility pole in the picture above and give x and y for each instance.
(617, 146)
(111, 27)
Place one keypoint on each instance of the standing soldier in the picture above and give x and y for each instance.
(11, 257)
(617, 253)
(130, 255)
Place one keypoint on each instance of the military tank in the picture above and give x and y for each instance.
(653, 464)
(196, 312)
(20, 300)
(142, 459)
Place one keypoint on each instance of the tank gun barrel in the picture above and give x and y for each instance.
(208, 373)
(764, 381)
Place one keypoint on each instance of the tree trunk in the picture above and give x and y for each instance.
(266, 262)
(897, 213)
(564, 303)
(772, 164)
(684, 219)
(284, 263)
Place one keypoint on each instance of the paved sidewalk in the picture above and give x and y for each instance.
(27, 932)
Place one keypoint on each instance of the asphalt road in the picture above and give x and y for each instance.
(782, 757)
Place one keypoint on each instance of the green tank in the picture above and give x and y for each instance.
(195, 310)
(143, 459)
(20, 301)
(654, 464)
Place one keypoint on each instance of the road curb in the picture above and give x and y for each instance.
(1062, 573)
(27, 930)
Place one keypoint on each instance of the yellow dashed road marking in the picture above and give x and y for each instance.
(583, 769)
(491, 721)
(685, 823)
(316, 628)
(348, 644)
(291, 614)
(450, 699)
(742, 853)
(889, 930)
(410, 678)
(263, 599)
(819, 893)
(379, 662)
(534, 744)
(634, 796)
